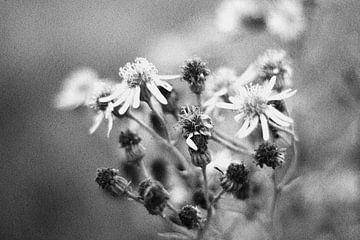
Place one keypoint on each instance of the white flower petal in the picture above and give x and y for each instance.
(127, 102)
(96, 122)
(221, 92)
(253, 124)
(110, 125)
(211, 101)
(243, 127)
(136, 100)
(226, 105)
(264, 127)
(269, 86)
(164, 84)
(119, 89)
(191, 143)
(280, 115)
(155, 91)
(277, 120)
(283, 95)
(122, 97)
(169, 77)
(239, 116)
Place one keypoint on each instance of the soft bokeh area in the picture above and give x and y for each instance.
(48, 159)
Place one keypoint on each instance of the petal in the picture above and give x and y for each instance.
(96, 122)
(110, 125)
(269, 86)
(239, 116)
(155, 91)
(280, 115)
(210, 101)
(191, 143)
(119, 89)
(253, 124)
(249, 75)
(164, 84)
(264, 127)
(283, 95)
(122, 97)
(278, 121)
(128, 102)
(243, 127)
(136, 100)
(169, 77)
(221, 92)
(226, 105)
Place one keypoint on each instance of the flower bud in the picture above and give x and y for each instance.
(270, 155)
(236, 176)
(195, 72)
(199, 198)
(110, 180)
(190, 217)
(154, 195)
(131, 142)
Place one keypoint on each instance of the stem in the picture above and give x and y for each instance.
(291, 132)
(198, 100)
(291, 170)
(229, 145)
(161, 120)
(177, 228)
(172, 208)
(209, 206)
(173, 149)
(145, 171)
(229, 139)
(133, 197)
(217, 197)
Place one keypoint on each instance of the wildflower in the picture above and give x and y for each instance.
(286, 19)
(131, 142)
(219, 87)
(195, 72)
(102, 109)
(270, 155)
(193, 123)
(154, 195)
(253, 107)
(110, 180)
(140, 80)
(274, 63)
(190, 217)
(236, 176)
(75, 89)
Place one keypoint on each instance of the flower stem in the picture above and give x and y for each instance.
(172, 208)
(229, 145)
(161, 120)
(291, 170)
(172, 148)
(217, 197)
(228, 138)
(198, 100)
(209, 206)
(143, 167)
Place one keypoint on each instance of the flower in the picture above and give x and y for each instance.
(193, 122)
(252, 105)
(200, 157)
(274, 63)
(103, 109)
(76, 89)
(219, 87)
(154, 195)
(195, 72)
(190, 216)
(140, 80)
(236, 176)
(131, 142)
(286, 19)
(110, 180)
(270, 155)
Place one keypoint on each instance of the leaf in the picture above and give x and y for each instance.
(173, 235)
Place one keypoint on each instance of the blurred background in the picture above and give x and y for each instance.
(48, 160)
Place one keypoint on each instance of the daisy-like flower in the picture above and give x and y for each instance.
(253, 107)
(103, 109)
(140, 80)
(193, 122)
(274, 63)
(219, 87)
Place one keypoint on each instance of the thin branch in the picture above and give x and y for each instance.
(202, 231)
(172, 208)
(217, 197)
(292, 168)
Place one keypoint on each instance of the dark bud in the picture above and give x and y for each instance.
(195, 72)
(154, 195)
(270, 155)
(190, 217)
(236, 176)
(131, 142)
(110, 180)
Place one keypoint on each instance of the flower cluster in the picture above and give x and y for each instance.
(269, 154)
(195, 72)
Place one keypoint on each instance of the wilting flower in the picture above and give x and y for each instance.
(76, 89)
(102, 109)
(269, 154)
(195, 72)
(193, 122)
(190, 217)
(154, 195)
(131, 142)
(140, 80)
(110, 180)
(219, 87)
(252, 105)
(236, 176)
(286, 19)
(274, 63)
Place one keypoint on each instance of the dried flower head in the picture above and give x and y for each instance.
(200, 157)
(236, 176)
(252, 105)
(154, 195)
(269, 154)
(274, 63)
(140, 80)
(110, 180)
(190, 217)
(131, 142)
(195, 72)
(193, 122)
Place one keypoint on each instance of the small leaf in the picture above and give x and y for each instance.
(173, 235)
